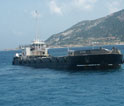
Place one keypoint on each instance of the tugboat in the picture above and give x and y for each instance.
(36, 55)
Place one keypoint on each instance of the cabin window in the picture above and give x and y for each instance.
(39, 45)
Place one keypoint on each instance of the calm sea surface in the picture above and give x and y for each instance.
(25, 86)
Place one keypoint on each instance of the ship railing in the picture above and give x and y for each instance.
(24, 46)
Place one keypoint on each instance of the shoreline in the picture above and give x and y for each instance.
(68, 46)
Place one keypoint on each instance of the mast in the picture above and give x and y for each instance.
(37, 25)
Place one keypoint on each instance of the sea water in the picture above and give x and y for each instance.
(26, 86)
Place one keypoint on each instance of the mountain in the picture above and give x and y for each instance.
(106, 30)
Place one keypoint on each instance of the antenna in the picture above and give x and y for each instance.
(37, 25)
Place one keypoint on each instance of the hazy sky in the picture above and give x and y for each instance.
(18, 17)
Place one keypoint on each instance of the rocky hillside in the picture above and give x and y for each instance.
(106, 30)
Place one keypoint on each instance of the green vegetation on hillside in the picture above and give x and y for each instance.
(106, 30)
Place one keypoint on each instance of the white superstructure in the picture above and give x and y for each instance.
(36, 48)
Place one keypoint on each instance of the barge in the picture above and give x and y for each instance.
(36, 55)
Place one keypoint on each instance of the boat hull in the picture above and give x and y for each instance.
(102, 61)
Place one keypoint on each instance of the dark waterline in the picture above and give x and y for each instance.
(25, 86)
